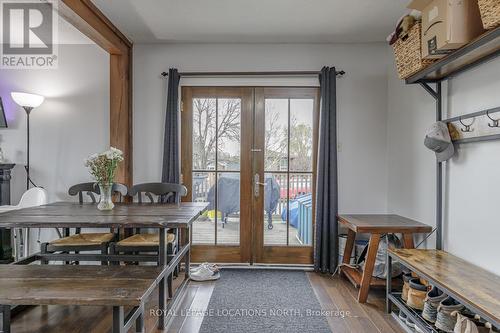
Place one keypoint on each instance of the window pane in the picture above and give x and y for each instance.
(301, 227)
(275, 203)
(276, 135)
(301, 134)
(204, 226)
(204, 111)
(229, 134)
(228, 206)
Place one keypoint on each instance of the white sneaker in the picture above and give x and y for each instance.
(204, 274)
(213, 267)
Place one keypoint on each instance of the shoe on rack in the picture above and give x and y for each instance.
(402, 316)
(465, 324)
(418, 330)
(444, 320)
(204, 273)
(410, 323)
(481, 325)
(431, 303)
(406, 286)
(416, 294)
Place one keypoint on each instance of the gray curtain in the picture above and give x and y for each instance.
(171, 158)
(326, 245)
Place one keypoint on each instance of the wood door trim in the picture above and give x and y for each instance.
(281, 253)
(221, 252)
(254, 250)
(217, 254)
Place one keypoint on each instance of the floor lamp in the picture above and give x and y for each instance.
(28, 102)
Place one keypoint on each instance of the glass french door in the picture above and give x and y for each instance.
(250, 154)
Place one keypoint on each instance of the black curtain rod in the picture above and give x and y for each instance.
(284, 73)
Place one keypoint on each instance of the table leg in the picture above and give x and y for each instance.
(408, 241)
(368, 269)
(349, 244)
(388, 290)
(118, 320)
(5, 318)
(162, 285)
(187, 259)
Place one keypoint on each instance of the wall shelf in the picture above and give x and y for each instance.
(480, 50)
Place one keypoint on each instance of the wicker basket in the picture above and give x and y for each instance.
(408, 53)
(490, 13)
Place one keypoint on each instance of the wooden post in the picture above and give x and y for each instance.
(120, 113)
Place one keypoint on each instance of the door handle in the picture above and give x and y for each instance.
(257, 184)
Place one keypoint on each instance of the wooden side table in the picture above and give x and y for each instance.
(376, 226)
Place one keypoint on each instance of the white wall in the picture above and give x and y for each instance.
(361, 104)
(72, 123)
(471, 225)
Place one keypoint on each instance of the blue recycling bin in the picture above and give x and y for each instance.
(301, 217)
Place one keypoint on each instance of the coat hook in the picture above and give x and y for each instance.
(495, 122)
(467, 126)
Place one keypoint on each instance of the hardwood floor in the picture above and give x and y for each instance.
(333, 293)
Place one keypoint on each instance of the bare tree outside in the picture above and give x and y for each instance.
(204, 128)
(301, 145)
(275, 140)
(206, 134)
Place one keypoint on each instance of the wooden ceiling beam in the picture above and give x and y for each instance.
(89, 20)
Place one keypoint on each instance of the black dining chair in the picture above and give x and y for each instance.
(85, 241)
(150, 242)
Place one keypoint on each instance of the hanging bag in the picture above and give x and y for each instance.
(380, 267)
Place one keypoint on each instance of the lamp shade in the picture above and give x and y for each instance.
(27, 100)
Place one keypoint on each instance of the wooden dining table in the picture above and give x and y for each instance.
(124, 216)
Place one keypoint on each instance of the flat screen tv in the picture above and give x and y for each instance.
(3, 120)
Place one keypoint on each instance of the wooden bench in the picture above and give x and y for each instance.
(474, 287)
(116, 286)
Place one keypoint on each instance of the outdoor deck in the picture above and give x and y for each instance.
(203, 232)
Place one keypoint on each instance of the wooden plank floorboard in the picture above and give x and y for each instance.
(333, 293)
(368, 317)
(337, 324)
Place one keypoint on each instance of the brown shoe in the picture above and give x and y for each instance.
(406, 286)
(416, 294)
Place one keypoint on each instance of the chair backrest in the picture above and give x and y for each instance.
(92, 188)
(163, 191)
(35, 196)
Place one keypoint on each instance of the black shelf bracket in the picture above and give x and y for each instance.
(429, 89)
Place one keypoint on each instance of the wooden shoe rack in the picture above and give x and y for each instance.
(477, 289)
